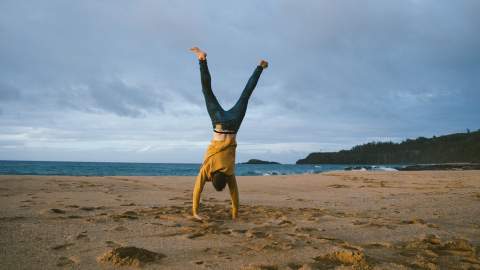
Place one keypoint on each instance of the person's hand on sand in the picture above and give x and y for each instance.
(263, 64)
(201, 55)
(198, 217)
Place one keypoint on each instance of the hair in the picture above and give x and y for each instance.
(219, 180)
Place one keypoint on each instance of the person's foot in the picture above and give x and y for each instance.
(263, 64)
(201, 55)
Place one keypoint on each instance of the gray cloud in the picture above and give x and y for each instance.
(8, 92)
(87, 73)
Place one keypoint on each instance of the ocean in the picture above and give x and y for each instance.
(154, 169)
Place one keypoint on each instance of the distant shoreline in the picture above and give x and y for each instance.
(174, 169)
(452, 148)
(441, 167)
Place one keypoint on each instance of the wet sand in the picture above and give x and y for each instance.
(335, 220)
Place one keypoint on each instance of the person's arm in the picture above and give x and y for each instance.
(232, 186)
(197, 191)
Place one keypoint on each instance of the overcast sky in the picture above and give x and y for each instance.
(113, 80)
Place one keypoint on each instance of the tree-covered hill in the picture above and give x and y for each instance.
(459, 147)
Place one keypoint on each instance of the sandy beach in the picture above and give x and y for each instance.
(335, 220)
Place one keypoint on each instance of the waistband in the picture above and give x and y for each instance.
(224, 132)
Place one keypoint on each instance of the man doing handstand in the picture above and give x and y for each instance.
(219, 161)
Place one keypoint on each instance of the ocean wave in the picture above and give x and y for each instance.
(267, 173)
(362, 168)
(166, 169)
(384, 169)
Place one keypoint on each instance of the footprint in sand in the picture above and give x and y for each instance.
(62, 246)
(413, 221)
(112, 244)
(252, 233)
(259, 267)
(65, 261)
(194, 235)
(377, 245)
(14, 218)
(126, 215)
(57, 211)
(360, 222)
(82, 236)
(284, 222)
(120, 229)
(338, 186)
(379, 224)
(91, 208)
(128, 204)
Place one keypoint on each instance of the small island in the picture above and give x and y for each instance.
(258, 161)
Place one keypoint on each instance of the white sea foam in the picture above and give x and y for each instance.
(384, 169)
(389, 169)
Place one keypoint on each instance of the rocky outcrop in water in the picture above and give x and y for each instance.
(258, 161)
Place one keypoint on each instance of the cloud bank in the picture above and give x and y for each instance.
(114, 81)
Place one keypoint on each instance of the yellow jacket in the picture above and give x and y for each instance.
(220, 156)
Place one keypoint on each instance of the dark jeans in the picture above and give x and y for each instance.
(232, 118)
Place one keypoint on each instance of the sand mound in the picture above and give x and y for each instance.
(432, 253)
(64, 261)
(259, 267)
(460, 245)
(351, 257)
(130, 256)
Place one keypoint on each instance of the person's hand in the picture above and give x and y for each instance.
(197, 217)
(200, 54)
(263, 64)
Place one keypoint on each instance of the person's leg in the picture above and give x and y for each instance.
(213, 107)
(210, 100)
(240, 108)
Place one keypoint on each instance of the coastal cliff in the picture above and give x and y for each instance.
(453, 148)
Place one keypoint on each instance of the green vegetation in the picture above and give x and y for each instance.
(459, 147)
(258, 161)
